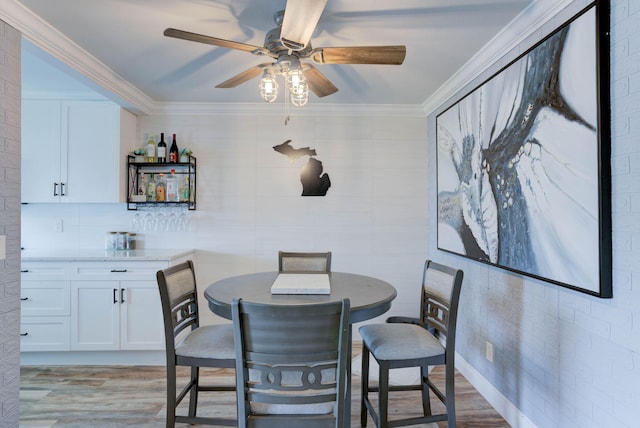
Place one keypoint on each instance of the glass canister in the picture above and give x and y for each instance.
(110, 241)
(131, 241)
(121, 240)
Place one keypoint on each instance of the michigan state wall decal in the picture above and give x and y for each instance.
(314, 181)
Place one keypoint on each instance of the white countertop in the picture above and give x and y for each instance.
(103, 255)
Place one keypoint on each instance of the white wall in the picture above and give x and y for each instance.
(562, 358)
(373, 218)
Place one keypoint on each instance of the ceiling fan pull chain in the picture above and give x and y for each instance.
(286, 110)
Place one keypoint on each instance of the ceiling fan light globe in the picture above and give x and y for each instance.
(299, 101)
(268, 88)
(296, 83)
(301, 97)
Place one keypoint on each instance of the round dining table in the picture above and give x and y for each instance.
(369, 297)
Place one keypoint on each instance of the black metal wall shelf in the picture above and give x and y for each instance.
(137, 170)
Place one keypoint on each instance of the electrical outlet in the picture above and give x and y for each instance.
(489, 351)
(58, 226)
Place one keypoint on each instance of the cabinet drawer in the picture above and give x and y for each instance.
(45, 334)
(44, 271)
(45, 298)
(117, 270)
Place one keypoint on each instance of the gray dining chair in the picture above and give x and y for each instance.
(428, 340)
(291, 364)
(304, 261)
(191, 345)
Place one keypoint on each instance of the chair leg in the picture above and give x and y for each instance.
(426, 400)
(450, 399)
(193, 394)
(383, 395)
(171, 395)
(364, 386)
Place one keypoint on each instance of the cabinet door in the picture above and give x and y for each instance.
(44, 298)
(41, 139)
(93, 151)
(44, 289)
(95, 315)
(141, 325)
(44, 334)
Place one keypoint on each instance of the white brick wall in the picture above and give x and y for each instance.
(10, 225)
(565, 359)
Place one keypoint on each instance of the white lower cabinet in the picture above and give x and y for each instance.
(44, 334)
(45, 307)
(116, 315)
(91, 306)
(114, 306)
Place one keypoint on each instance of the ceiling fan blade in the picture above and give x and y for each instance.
(318, 83)
(299, 22)
(200, 38)
(245, 76)
(393, 55)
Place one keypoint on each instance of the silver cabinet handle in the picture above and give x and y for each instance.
(24, 334)
(62, 189)
(118, 270)
(55, 189)
(24, 298)
(122, 295)
(115, 297)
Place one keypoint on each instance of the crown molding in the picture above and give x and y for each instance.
(106, 82)
(95, 74)
(310, 109)
(530, 20)
(87, 68)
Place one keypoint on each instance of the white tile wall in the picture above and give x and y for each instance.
(373, 217)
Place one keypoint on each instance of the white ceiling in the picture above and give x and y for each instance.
(126, 35)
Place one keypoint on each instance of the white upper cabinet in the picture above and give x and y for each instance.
(72, 151)
(41, 151)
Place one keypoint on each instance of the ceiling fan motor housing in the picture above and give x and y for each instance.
(273, 43)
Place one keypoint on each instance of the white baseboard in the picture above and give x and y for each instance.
(104, 358)
(503, 406)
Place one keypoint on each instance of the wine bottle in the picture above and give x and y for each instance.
(184, 190)
(151, 149)
(142, 185)
(172, 187)
(174, 154)
(162, 149)
(151, 189)
(160, 189)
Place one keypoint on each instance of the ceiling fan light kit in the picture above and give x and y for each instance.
(289, 43)
(268, 87)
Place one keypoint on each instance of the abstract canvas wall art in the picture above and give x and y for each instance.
(523, 162)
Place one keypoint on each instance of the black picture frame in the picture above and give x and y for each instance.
(524, 161)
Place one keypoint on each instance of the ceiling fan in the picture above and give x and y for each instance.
(287, 45)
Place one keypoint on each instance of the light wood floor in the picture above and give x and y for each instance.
(134, 396)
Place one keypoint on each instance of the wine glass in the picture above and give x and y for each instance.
(149, 222)
(183, 221)
(136, 222)
(161, 222)
(172, 221)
